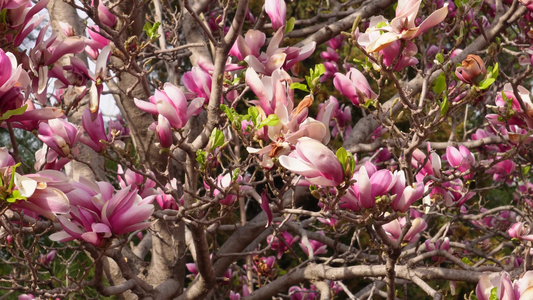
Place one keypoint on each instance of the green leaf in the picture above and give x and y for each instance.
(151, 30)
(495, 71)
(466, 260)
(235, 175)
(218, 138)
(367, 103)
(289, 26)
(3, 15)
(486, 83)
(254, 114)
(352, 163)
(13, 112)
(493, 294)
(233, 117)
(439, 57)
(319, 70)
(314, 76)
(526, 170)
(342, 156)
(271, 120)
(200, 157)
(300, 86)
(15, 196)
(445, 105)
(440, 84)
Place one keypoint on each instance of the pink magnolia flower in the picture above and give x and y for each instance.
(331, 69)
(520, 231)
(46, 159)
(405, 195)
(95, 41)
(108, 18)
(330, 54)
(42, 197)
(439, 245)
(13, 79)
(372, 184)
(272, 91)
(143, 184)
(60, 135)
(281, 246)
(249, 45)
(22, 18)
(226, 278)
(96, 131)
(298, 293)
(526, 98)
(225, 184)
(166, 201)
(404, 59)
(394, 229)
(67, 29)
(402, 27)
(48, 258)
(340, 118)
(276, 57)
(316, 246)
(461, 159)
(502, 170)
(316, 162)
(164, 133)
(276, 10)
(431, 166)
(99, 213)
(354, 86)
(172, 104)
(472, 69)
(199, 82)
(506, 290)
(46, 53)
(336, 42)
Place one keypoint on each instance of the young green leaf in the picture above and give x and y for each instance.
(439, 57)
(200, 157)
(493, 294)
(440, 84)
(342, 156)
(300, 86)
(495, 71)
(445, 105)
(486, 83)
(254, 114)
(271, 120)
(151, 30)
(15, 196)
(218, 138)
(526, 170)
(289, 26)
(13, 112)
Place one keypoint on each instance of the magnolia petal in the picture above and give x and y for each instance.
(266, 208)
(299, 167)
(435, 18)
(61, 236)
(364, 185)
(383, 41)
(92, 237)
(25, 185)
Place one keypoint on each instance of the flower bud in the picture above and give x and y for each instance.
(472, 69)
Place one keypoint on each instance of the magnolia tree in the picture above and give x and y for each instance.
(289, 150)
